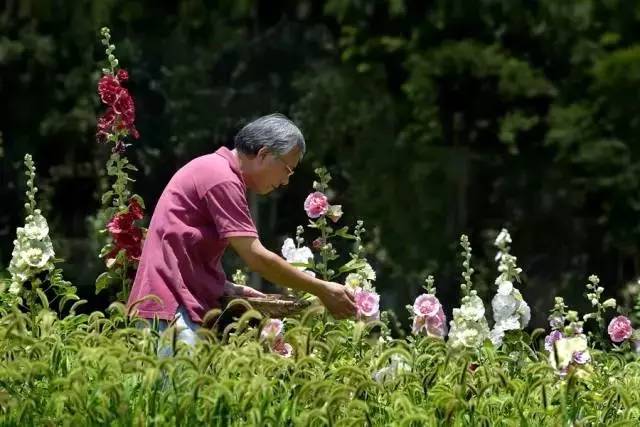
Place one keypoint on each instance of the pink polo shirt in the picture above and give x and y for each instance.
(203, 204)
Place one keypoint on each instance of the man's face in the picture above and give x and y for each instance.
(273, 170)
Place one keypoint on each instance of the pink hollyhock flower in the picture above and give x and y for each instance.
(272, 329)
(435, 326)
(620, 329)
(284, 349)
(367, 303)
(426, 305)
(316, 204)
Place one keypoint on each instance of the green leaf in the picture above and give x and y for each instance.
(43, 298)
(107, 196)
(344, 233)
(352, 265)
(103, 281)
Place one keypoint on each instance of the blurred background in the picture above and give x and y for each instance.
(435, 118)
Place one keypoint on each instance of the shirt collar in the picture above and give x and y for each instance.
(234, 164)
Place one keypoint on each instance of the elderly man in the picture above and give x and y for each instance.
(203, 210)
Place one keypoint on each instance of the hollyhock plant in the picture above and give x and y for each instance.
(469, 328)
(121, 208)
(428, 315)
(567, 345)
(32, 249)
(620, 329)
(32, 267)
(510, 310)
(594, 296)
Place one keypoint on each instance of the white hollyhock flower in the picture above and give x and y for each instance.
(288, 248)
(510, 323)
(353, 281)
(525, 313)
(505, 287)
(496, 336)
(295, 255)
(503, 238)
(301, 255)
(368, 273)
(468, 328)
(472, 309)
(36, 227)
(503, 305)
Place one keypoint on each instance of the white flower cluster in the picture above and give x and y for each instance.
(32, 249)
(297, 255)
(469, 327)
(510, 310)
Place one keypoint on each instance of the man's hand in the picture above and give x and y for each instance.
(339, 300)
(232, 289)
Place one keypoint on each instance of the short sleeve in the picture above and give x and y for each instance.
(227, 205)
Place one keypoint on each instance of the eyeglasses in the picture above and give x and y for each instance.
(289, 170)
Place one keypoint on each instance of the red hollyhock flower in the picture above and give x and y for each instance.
(135, 209)
(106, 120)
(121, 114)
(125, 234)
(108, 88)
(122, 75)
(123, 104)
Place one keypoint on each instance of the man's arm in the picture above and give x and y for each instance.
(336, 297)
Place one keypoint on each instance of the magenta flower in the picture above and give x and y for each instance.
(316, 204)
(620, 329)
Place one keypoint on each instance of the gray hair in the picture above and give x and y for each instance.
(275, 132)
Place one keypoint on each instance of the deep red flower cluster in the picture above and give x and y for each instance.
(126, 235)
(121, 111)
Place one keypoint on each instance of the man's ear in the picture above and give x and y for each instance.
(262, 153)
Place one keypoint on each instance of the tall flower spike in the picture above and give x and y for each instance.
(469, 326)
(510, 310)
